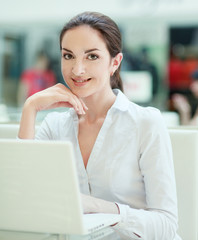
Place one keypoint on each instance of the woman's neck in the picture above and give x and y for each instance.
(98, 106)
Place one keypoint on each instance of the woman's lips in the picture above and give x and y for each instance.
(80, 80)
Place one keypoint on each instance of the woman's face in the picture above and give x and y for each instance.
(86, 63)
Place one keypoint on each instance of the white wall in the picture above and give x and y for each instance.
(25, 11)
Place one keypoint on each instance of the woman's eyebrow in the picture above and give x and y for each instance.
(87, 51)
(91, 50)
(67, 50)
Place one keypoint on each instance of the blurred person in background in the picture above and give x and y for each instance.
(188, 107)
(36, 79)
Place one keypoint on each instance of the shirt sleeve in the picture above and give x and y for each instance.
(45, 130)
(55, 126)
(159, 219)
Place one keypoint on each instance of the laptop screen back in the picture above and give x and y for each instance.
(39, 187)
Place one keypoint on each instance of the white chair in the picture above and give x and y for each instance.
(171, 118)
(10, 130)
(185, 155)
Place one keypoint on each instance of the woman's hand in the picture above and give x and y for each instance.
(54, 97)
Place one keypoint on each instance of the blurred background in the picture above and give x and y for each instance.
(160, 46)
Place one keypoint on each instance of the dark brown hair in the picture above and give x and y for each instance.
(110, 32)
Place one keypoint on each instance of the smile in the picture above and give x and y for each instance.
(81, 80)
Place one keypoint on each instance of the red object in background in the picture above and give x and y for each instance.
(180, 72)
(37, 80)
(175, 73)
(191, 66)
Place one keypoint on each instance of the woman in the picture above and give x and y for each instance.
(123, 151)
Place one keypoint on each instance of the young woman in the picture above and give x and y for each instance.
(123, 151)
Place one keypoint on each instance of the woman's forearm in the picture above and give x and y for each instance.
(27, 123)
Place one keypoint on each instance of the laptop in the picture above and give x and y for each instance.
(39, 190)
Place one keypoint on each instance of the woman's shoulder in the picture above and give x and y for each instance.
(141, 113)
(149, 123)
(55, 125)
(56, 117)
(147, 119)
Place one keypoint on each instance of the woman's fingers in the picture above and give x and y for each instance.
(72, 99)
(83, 104)
(79, 107)
(57, 96)
(78, 103)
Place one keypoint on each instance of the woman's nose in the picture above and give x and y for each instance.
(78, 68)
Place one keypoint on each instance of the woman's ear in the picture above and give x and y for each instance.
(116, 61)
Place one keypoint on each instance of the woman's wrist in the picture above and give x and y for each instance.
(29, 106)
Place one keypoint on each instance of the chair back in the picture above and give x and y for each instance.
(185, 156)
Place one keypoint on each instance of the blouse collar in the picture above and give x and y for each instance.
(121, 103)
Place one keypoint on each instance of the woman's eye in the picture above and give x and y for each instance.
(92, 57)
(67, 56)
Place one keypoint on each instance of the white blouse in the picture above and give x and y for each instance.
(130, 164)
